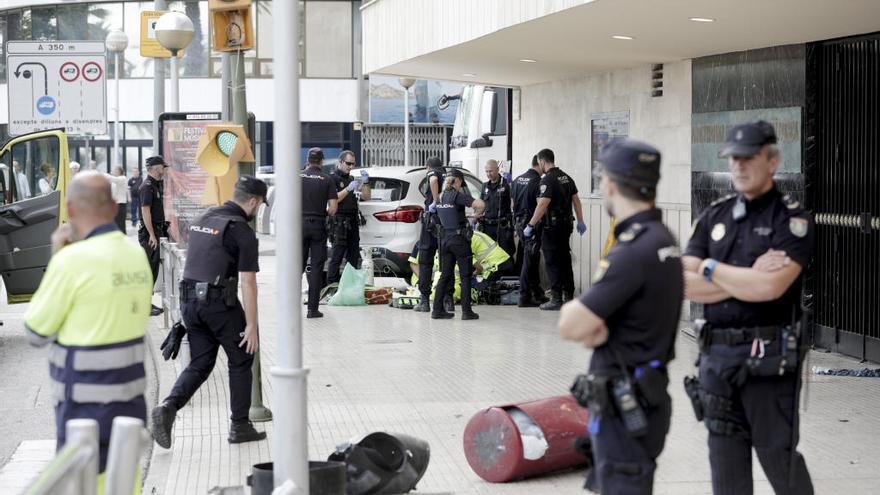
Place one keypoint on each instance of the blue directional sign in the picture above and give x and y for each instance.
(46, 105)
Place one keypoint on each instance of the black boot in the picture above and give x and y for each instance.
(527, 302)
(244, 432)
(163, 422)
(448, 305)
(469, 315)
(442, 315)
(539, 297)
(156, 310)
(567, 296)
(424, 305)
(314, 313)
(554, 303)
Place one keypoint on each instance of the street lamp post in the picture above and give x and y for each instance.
(407, 83)
(174, 31)
(116, 43)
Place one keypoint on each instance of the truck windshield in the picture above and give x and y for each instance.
(463, 117)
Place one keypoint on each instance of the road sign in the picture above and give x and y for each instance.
(150, 46)
(57, 84)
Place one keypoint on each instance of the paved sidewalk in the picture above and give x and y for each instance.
(379, 368)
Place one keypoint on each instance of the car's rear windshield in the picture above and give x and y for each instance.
(382, 189)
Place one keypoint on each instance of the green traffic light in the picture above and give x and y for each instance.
(226, 142)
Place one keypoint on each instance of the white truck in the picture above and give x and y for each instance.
(482, 128)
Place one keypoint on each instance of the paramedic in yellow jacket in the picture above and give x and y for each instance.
(489, 259)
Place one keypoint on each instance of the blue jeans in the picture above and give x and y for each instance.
(135, 206)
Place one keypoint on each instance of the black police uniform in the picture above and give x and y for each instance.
(151, 194)
(497, 220)
(558, 223)
(743, 410)
(455, 248)
(317, 189)
(525, 197)
(428, 238)
(345, 240)
(221, 244)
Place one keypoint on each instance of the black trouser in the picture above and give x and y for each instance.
(557, 256)
(427, 250)
(761, 413)
(503, 236)
(120, 215)
(530, 270)
(348, 247)
(153, 255)
(314, 240)
(210, 325)
(454, 249)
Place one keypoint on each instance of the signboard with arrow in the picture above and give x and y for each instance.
(57, 84)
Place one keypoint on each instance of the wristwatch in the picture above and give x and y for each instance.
(708, 269)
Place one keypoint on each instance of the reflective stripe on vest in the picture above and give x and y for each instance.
(100, 393)
(108, 359)
(98, 374)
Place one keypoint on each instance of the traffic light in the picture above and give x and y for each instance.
(221, 147)
(232, 25)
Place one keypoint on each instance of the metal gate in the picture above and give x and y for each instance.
(844, 193)
(382, 144)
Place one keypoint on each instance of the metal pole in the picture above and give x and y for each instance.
(85, 432)
(175, 82)
(158, 87)
(289, 443)
(115, 160)
(127, 441)
(225, 69)
(406, 127)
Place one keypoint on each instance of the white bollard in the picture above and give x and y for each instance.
(85, 432)
(127, 442)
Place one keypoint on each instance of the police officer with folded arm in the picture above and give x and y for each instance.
(497, 219)
(344, 231)
(557, 194)
(455, 244)
(630, 318)
(319, 199)
(153, 224)
(92, 308)
(222, 250)
(525, 199)
(427, 237)
(744, 262)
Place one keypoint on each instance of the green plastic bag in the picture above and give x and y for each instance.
(351, 288)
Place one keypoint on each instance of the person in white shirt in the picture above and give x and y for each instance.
(21, 182)
(47, 181)
(119, 189)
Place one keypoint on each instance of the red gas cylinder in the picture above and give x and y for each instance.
(512, 442)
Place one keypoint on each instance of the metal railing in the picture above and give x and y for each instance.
(382, 144)
(74, 470)
(173, 261)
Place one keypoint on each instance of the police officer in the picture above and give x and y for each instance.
(222, 249)
(92, 308)
(525, 200)
(344, 232)
(497, 220)
(630, 318)
(557, 194)
(745, 261)
(455, 244)
(319, 199)
(153, 224)
(428, 237)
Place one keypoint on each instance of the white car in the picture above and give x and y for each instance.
(390, 220)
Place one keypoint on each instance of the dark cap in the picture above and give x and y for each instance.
(455, 172)
(251, 185)
(156, 160)
(434, 162)
(633, 162)
(746, 140)
(316, 155)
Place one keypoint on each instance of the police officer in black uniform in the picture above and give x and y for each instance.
(428, 237)
(222, 248)
(497, 220)
(455, 244)
(344, 229)
(556, 196)
(153, 225)
(630, 317)
(525, 200)
(319, 199)
(745, 261)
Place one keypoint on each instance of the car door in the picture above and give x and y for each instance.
(32, 188)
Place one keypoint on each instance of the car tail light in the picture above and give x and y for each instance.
(405, 214)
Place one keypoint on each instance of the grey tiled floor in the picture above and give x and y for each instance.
(379, 368)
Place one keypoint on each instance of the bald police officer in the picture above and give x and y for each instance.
(222, 248)
(630, 317)
(497, 219)
(745, 261)
(319, 199)
(557, 194)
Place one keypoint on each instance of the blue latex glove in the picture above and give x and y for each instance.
(582, 227)
(355, 184)
(528, 231)
(365, 176)
(507, 176)
(432, 208)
